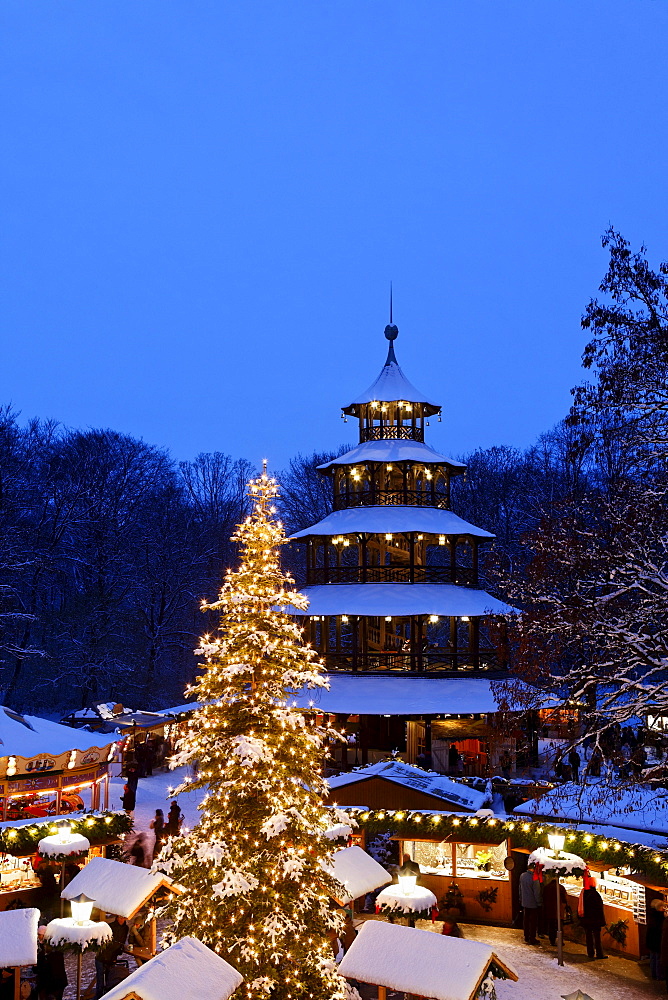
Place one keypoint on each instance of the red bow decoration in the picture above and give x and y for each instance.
(538, 873)
(587, 880)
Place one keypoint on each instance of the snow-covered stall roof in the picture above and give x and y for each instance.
(188, 970)
(379, 520)
(357, 872)
(639, 808)
(401, 696)
(425, 964)
(116, 887)
(18, 937)
(393, 451)
(180, 709)
(428, 782)
(30, 736)
(399, 600)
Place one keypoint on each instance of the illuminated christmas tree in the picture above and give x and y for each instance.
(256, 891)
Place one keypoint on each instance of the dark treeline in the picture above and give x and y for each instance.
(106, 549)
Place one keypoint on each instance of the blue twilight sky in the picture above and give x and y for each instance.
(204, 204)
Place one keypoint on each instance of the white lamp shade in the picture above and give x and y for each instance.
(82, 907)
(557, 841)
(407, 883)
(65, 832)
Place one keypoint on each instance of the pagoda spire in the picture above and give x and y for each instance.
(391, 333)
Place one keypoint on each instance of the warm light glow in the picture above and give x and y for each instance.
(388, 538)
(388, 618)
(344, 618)
(407, 883)
(65, 831)
(82, 907)
(441, 539)
(556, 841)
(433, 619)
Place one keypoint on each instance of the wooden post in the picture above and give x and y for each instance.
(17, 983)
(382, 993)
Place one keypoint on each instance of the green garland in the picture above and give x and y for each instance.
(524, 833)
(98, 828)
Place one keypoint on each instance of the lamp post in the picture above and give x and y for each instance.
(78, 931)
(557, 841)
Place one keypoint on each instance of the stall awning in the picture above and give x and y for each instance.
(370, 695)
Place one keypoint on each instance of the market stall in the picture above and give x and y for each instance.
(18, 947)
(49, 770)
(187, 970)
(32, 854)
(464, 875)
(125, 891)
(420, 963)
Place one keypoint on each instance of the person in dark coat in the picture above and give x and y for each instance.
(108, 954)
(550, 908)
(129, 798)
(174, 819)
(157, 824)
(593, 919)
(454, 758)
(51, 975)
(531, 897)
(655, 922)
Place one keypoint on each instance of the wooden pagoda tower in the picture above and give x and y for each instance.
(392, 574)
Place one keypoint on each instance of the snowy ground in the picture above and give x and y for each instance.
(153, 793)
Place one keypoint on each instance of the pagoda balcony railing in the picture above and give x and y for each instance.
(428, 662)
(390, 432)
(464, 576)
(390, 498)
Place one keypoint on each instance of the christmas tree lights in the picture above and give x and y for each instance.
(256, 891)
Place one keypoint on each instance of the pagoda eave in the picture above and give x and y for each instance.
(393, 520)
(399, 600)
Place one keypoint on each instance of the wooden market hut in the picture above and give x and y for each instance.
(187, 970)
(358, 872)
(123, 890)
(421, 963)
(18, 943)
(395, 785)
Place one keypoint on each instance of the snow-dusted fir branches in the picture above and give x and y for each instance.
(254, 866)
(594, 632)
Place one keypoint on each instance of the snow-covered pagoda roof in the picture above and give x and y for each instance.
(400, 600)
(188, 970)
(116, 887)
(358, 872)
(407, 695)
(18, 938)
(408, 960)
(393, 451)
(383, 519)
(29, 736)
(392, 386)
(428, 782)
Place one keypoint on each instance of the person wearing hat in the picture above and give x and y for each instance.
(655, 922)
(592, 917)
